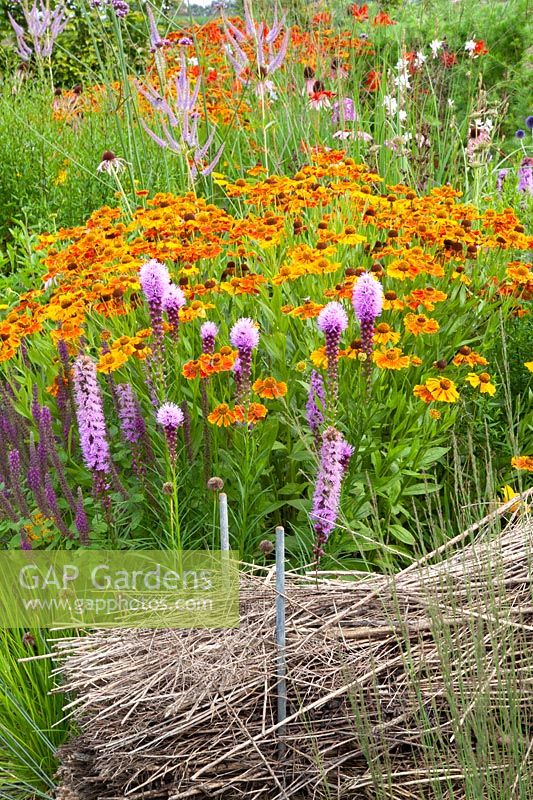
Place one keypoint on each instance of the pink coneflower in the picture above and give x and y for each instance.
(111, 163)
(332, 321)
(170, 417)
(244, 335)
(319, 97)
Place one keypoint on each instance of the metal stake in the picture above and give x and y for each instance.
(280, 636)
(224, 528)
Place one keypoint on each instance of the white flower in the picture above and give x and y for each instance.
(470, 46)
(451, 102)
(111, 164)
(435, 46)
(402, 81)
(402, 115)
(193, 61)
(402, 65)
(343, 135)
(391, 104)
(420, 59)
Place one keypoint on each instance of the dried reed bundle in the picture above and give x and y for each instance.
(385, 676)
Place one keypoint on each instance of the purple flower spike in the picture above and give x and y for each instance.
(502, 175)
(525, 176)
(80, 520)
(173, 300)
(208, 332)
(170, 417)
(316, 403)
(327, 493)
(244, 335)
(346, 452)
(90, 416)
(343, 110)
(367, 299)
(332, 321)
(155, 283)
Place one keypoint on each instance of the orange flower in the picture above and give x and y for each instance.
(523, 462)
(270, 388)
(421, 391)
(223, 415)
(307, 310)
(383, 334)
(482, 381)
(109, 362)
(392, 358)
(465, 355)
(419, 323)
(442, 389)
(256, 411)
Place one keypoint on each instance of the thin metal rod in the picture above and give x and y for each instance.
(224, 527)
(280, 636)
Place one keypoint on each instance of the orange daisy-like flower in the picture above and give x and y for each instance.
(442, 389)
(256, 412)
(419, 323)
(383, 334)
(307, 310)
(422, 392)
(111, 361)
(482, 381)
(393, 358)
(270, 388)
(223, 415)
(523, 462)
(465, 355)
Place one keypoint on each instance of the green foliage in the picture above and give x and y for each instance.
(31, 726)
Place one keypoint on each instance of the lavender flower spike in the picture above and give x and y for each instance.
(173, 300)
(316, 403)
(90, 416)
(155, 282)
(367, 300)
(208, 332)
(326, 498)
(170, 417)
(332, 321)
(244, 335)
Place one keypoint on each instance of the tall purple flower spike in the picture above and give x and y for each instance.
(367, 300)
(179, 123)
(268, 61)
(316, 403)
(173, 300)
(43, 26)
(170, 417)
(244, 335)
(332, 321)
(326, 497)
(155, 283)
(91, 421)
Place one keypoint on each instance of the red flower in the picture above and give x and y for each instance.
(449, 59)
(481, 48)
(383, 19)
(372, 80)
(360, 13)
